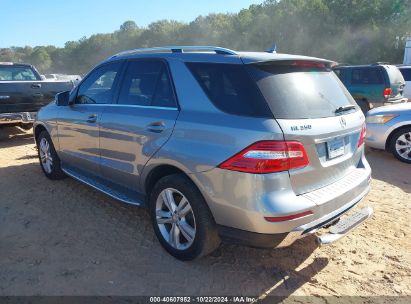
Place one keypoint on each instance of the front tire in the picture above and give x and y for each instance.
(400, 145)
(181, 218)
(49, 160)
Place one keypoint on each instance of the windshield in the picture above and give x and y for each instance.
(295, 90)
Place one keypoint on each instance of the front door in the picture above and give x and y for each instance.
(79, 123)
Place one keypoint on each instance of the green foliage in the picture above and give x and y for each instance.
(354, 31)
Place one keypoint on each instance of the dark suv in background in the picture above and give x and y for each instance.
(373, 85)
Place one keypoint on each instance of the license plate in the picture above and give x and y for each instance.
(335, 147)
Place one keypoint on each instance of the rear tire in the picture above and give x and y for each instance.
(181, 218)
(400, 145)
(364, 105)
(49, 160)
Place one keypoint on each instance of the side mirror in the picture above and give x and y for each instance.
(63, 98)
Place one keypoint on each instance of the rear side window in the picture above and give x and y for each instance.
(367, 76)
(147, 83)
(296, 90)
(406, 73)
(230, 88)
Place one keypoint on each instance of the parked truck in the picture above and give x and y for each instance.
(23, 92)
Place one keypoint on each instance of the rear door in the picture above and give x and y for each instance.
(139, 124)
(79, 123)
(304, 98)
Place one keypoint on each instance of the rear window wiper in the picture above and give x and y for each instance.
(345, 108)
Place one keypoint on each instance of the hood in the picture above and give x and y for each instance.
(403, 108)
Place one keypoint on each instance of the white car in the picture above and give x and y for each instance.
(406, 72)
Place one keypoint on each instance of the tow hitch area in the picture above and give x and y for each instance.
(344, 226)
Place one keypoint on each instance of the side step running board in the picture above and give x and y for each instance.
(344, 226)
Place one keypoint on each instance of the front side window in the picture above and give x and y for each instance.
(367, 76)
(98, 88)
(16, 73)
(147, 83)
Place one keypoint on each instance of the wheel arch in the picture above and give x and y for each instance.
(38, 129)
(158, 172)
(389, 138)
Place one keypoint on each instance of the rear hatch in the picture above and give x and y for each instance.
(397, 82)
(313, 107)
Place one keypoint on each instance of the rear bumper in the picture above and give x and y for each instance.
(278, 240)
(17, 118)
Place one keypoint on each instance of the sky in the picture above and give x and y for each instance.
(53, 22)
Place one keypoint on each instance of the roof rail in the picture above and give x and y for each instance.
(380, 63)
(178, 49)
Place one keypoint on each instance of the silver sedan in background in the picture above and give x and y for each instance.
(389, 128)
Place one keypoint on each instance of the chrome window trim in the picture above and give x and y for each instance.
(124, 105)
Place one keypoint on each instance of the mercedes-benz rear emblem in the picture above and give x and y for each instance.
(343, 123)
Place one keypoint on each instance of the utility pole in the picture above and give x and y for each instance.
(407, 51)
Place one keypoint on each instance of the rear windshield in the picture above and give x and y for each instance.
(295, 90)
(394, 74)
(406, 73)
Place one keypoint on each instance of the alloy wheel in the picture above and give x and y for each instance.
(403, 145)
(45, 155)
(175, 219)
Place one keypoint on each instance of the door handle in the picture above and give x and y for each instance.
(92, 118)
(38, 95)
(36, 86)
(156, 127)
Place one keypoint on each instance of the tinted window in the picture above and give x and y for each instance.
(367, 76)
(10, 73)
(98, 87)
(406, 72)
(294, 90)
(230, 88)
(147, 83)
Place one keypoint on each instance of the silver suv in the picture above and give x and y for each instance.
(258, 148)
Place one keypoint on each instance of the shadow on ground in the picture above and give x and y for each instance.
(14, 136)
(385, 167)
(64, 238)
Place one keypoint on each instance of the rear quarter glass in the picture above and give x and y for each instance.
(230, 88)
(295, 91)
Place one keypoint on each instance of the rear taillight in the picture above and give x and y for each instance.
(387, 92)
(362, 136)
(268, 156)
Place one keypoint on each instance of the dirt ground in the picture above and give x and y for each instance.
(64, 238)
